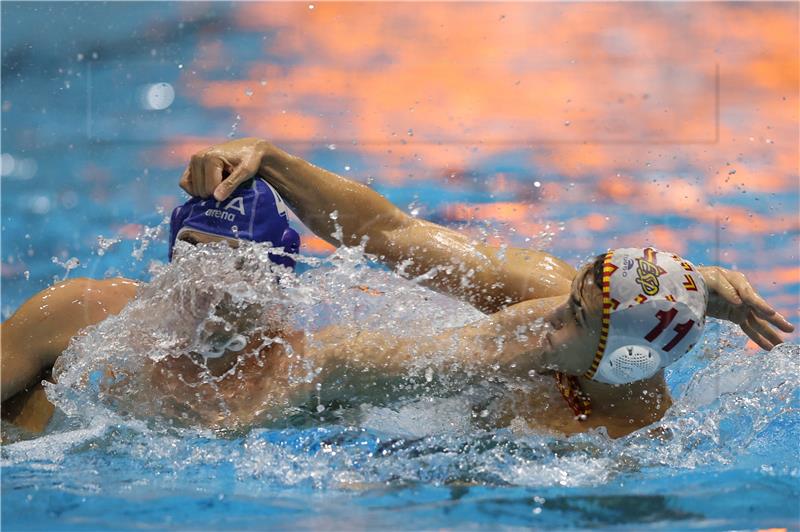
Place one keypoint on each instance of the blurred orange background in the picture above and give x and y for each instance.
(583, 125)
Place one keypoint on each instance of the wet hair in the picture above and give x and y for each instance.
(597, 270)
(597, 273)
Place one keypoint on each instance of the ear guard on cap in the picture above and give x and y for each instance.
(654, 306)
(628, 363)
(290, 242)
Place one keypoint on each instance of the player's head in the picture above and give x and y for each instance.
(254, 212)
(630, 312)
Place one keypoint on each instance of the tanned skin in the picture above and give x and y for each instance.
(513, 287)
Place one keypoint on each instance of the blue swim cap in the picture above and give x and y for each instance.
(254, 211)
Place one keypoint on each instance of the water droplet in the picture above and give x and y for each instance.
(410, 132)
(180, 66)
(331, 147)
(414, 208)
(334, 215)
(537, 184)
(234, 127)
(263, 82)
(69, 265)
(347, 168)
(429, 374)
(310, 6)
(103, 244)
(567, 122)
(248, 92)
(731, 172)
(320, 408)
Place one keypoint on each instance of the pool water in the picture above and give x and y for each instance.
(630, 125)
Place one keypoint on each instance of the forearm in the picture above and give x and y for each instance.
(315, 194)
(487, 277)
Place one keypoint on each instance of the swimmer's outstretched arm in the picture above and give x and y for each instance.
(353, 362)
(41, 329)
(490, 278)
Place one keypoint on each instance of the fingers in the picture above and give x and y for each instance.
(203, 175)
(213, 174)
(748, 295)
(240, 174)
(773, 317)
(754, 335)
(727, 291)
(196, 167)
(763, 328)
(186, 182)
(757, 303)
(781, 323)
(206, 173)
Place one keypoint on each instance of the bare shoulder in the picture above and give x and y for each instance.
(119, 285)
(118, 289)
(113, 293)
(48, 319)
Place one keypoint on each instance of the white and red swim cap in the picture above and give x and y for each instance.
(654, 307)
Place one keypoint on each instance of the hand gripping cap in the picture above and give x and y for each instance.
(254, 212)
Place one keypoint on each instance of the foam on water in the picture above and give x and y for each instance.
(207, 295)
(730, 406)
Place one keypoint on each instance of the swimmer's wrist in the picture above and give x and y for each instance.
(272, 158)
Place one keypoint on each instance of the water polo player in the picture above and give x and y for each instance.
(613, 325)
(41, 329)
(605, 332)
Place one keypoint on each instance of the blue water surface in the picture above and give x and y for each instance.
(727, 456)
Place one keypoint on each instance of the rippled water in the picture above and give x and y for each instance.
(422, 458)
(629, 125)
